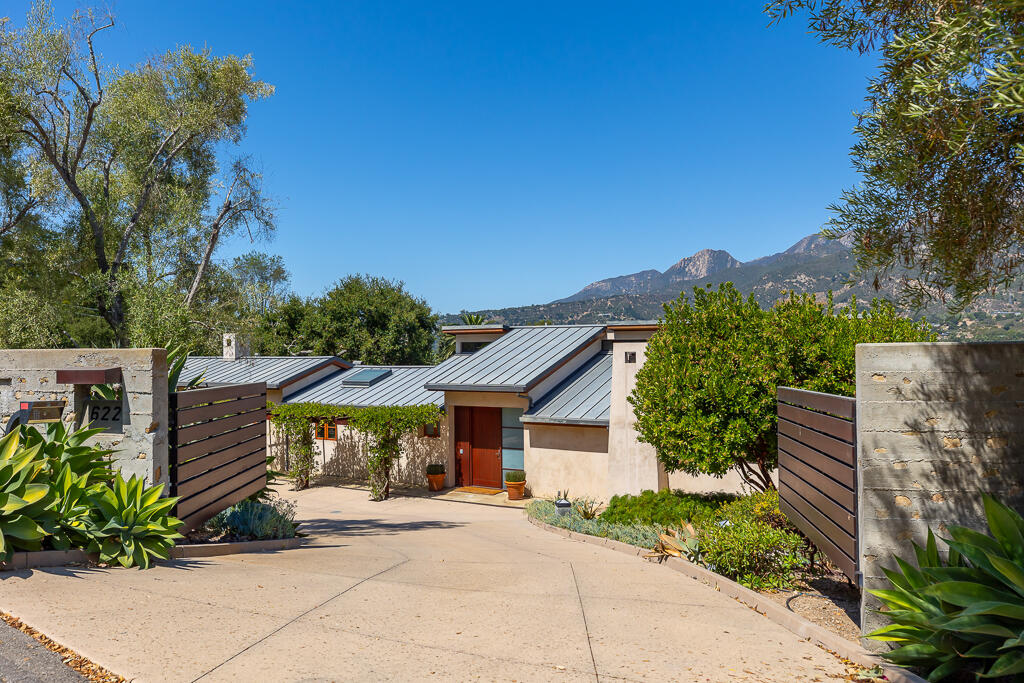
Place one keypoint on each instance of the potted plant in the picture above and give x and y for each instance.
(435, 476)
(515, 482)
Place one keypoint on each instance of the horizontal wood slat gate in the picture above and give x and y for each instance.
(818, 471)
(218, 444)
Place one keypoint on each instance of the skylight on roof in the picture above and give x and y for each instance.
(365, 378)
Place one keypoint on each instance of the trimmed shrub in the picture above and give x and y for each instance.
(257, 520)
(665, 507)
(435, 468)
(515, 476)
(752, 552)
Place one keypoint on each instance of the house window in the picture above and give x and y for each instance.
(630, 356)
(431, 430)
(473, 346)
(327, 431)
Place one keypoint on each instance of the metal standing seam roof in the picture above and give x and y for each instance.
(274, 370)
(403, 387)
(517, 360)
(585, 397)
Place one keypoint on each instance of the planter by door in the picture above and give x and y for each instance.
(515, 489)
(435, 482)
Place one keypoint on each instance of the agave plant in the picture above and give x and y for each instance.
(24, 495)
(176, 358)
(67, 521)
(964, 615)
(677, 543)
(130, 523)
(64, 445)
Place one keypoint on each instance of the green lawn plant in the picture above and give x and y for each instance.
(963, 615)
(665, 507)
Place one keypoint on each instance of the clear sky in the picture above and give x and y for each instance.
(498, 154)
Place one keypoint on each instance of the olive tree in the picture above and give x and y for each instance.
(705, 397)
(940, 149)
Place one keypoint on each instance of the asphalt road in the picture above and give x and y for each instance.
(25, 660)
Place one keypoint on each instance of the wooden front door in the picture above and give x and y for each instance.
(463, 446)
(486, 436)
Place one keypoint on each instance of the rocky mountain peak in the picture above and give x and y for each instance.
(702, 264)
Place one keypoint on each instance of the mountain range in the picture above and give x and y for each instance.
(814, 264)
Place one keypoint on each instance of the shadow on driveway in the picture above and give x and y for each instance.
(369, 527)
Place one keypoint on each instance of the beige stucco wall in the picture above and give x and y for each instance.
(561, 456)
(703, 483)
(632, 466)
(141, 447)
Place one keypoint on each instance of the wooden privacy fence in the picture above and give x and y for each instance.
(218, 445)
(818, 471)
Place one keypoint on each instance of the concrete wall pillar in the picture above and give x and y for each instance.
(937, 424)
(141, 446)
(632, 466)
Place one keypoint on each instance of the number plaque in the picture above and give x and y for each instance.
(106, 415)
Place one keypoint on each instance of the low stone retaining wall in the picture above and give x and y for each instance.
(61, 558)
(759, 603)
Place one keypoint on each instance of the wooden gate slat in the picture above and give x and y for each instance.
(212, 411)
(817, 436)
(205, 430)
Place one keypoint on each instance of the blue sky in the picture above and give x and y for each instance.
(500, 154)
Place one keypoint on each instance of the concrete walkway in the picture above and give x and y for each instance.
(411, 589)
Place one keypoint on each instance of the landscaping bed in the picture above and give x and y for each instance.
(746, 539)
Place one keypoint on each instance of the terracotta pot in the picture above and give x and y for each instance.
(515, 489)
(435, 482)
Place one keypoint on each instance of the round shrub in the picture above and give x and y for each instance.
(257, 520)
(752, 552)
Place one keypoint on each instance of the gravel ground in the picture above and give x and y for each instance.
(25, 660)
(829, 601)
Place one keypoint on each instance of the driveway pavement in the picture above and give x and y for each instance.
(410, 589)
(24, 660)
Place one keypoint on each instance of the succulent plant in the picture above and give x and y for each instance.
(25, 494)
(965, 614)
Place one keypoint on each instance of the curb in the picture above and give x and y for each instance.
(60, 558)
(180, 552)
(757, 602)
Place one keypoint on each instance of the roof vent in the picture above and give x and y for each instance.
(365, 378)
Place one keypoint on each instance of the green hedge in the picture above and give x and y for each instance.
(665, 507)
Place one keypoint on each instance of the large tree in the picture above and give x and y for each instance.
(124, 164)
(371, 319)
(941, 141)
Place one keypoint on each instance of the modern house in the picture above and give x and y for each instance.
(549, 400)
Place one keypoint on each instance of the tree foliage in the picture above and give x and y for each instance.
(941, 141)
(705, 396)
(121, 166)
(371, 319)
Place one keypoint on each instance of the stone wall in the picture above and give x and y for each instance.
(937, 424)
(141, 447)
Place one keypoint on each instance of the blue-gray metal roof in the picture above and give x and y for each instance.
(403, 387)
(518, 360)
(585, 397)
(274, 370)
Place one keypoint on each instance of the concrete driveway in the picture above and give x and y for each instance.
(410, 589)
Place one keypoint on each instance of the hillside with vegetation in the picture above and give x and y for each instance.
(814, 265)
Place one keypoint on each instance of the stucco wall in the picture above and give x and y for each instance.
(703, 483)
(632, 466)
(937, 424)
(560, 457)
(141, 448)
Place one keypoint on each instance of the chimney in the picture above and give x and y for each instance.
(234, 348)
